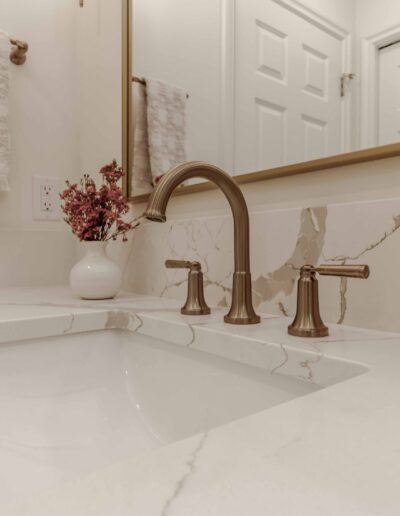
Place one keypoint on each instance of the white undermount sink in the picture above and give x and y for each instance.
(73, 404)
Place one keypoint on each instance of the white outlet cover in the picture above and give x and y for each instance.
(46, 198)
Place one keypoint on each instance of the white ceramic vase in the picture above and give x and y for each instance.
(96, 276)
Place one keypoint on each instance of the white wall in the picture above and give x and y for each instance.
(341, 12)
(65, 120)
(374, 16)
(44, 139)
(43, 111)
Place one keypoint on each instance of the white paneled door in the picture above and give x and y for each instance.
(288, 69)
(389, 94)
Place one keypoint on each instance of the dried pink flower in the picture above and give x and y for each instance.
(96, 214)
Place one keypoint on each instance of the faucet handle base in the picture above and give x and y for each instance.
(195, 302)
(308, 322)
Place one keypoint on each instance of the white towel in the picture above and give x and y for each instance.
(160, 140)
(4, 110)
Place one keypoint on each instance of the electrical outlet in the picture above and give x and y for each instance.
(46, 201)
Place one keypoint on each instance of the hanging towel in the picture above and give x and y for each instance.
(166, 121)
(4, 110)
(160, 137)
(142, 180)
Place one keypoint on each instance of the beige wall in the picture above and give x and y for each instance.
(44, 139)
(373, 16)
(43, 111)
(341, 12)
(65, 119)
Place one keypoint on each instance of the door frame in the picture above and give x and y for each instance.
(369, 90)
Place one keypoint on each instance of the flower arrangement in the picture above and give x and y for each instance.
(96, 214)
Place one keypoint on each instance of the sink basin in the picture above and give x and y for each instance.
(73, 404)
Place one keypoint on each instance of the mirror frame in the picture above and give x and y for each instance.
(127, 104)
(326, 163)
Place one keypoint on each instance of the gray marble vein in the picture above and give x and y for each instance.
(70, 324)
(284, 361)
(190, 470)
(307, 250)
(343, 260)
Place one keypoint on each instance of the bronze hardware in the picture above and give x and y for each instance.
(195, 302)
(142, 80)
(343, 78)
(139, 80)
(18, 52)
(308, 322)
(241, 311)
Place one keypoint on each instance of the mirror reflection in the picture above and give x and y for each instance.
(255, 84)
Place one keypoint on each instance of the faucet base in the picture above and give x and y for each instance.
(308, 332)
(200, 311)
(242, 311)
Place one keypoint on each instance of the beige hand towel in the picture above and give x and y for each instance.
(4, 110)
(166, 121)
(160, 132)
(142, 180)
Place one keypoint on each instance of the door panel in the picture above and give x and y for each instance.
(288, 104)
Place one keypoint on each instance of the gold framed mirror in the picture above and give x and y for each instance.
(337, 63)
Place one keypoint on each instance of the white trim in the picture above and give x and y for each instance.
(227, 92)
(314, 17)
(369, 83)
(348, 124)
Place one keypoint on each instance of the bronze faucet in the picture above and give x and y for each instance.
(241, 311)
(308, 322)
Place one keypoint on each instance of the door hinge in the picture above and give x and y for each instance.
(343, 78)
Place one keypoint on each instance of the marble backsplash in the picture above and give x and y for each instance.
(281, 242)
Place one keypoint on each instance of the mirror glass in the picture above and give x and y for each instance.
(269, 82)
(98, 53)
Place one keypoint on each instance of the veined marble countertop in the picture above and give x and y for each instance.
(334, 452)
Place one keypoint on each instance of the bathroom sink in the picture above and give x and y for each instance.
(72, 404)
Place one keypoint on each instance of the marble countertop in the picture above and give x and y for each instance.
(334, 452)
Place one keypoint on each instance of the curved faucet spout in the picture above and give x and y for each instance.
(241, 311)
